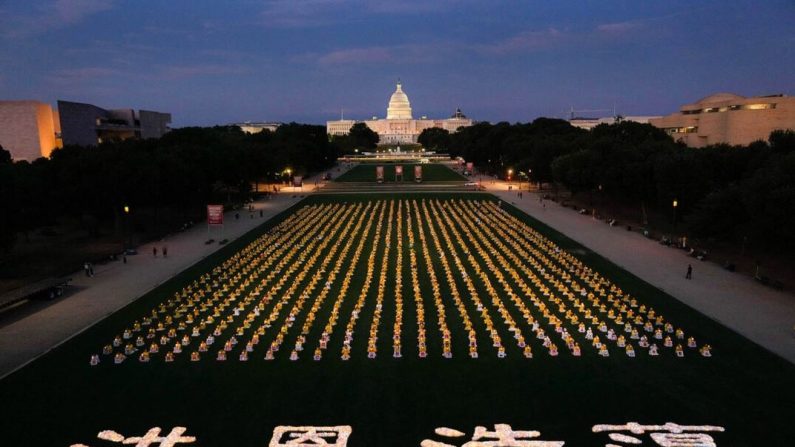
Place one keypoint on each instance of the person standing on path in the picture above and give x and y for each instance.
(154, 251)
(689, 274)
(165, 251)
(86, 269)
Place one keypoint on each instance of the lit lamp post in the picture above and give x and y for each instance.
(510, 173)
(288, 171)
(126, 243)
(522, 177)
(675, 204)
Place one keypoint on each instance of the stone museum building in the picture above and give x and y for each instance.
(729, 118)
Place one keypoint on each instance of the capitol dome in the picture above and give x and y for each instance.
(399, 106)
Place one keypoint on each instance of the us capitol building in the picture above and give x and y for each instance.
(400, 127)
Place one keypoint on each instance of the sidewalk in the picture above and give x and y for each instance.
(762, 314)
(116, 284)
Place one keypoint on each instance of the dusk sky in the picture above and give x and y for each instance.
(214, 62)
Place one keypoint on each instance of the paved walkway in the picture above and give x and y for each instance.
(762, 314)
(116, 284)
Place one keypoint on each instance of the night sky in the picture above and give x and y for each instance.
(214, 62)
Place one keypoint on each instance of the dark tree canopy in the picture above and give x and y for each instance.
(5, 156)
(360, 138)
(174, 176)
(436, 139)
(729, 192)
(363, 137)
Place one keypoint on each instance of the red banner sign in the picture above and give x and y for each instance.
(418, 173)
(379, 173)
(398, 170)
(298, 181)
(215, 215)
(470, 167)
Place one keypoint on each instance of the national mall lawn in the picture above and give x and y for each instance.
(487, 259)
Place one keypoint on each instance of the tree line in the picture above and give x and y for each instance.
(732, 193)
(163, 181)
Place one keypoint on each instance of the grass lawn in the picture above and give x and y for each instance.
(301, 259)
(430, 173)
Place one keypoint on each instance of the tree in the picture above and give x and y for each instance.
(435, 138)
(362, 137)
(5, 156)
(783, 141)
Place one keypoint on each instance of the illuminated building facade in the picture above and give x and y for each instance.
(400, 127)
(729, 118)
(249, 127)
(32, 129)
(590, 123)
(28, 129)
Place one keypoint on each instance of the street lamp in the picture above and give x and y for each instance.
(675, 204)
(127, 242)
(523, 176)
(510, 172)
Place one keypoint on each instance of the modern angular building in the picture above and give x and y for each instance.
(89, 125)
(28, 129)
(729, 118)
(400, 127)
(32, 129)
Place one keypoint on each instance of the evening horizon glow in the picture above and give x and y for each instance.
(304, 61)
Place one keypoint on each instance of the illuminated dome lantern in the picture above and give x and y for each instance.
(399, 106)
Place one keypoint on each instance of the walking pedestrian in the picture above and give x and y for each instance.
(154, 251)
(85, 269)
(165, 251)
(124, 258)
(689, 274)
(260, 213)
(91, 269)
